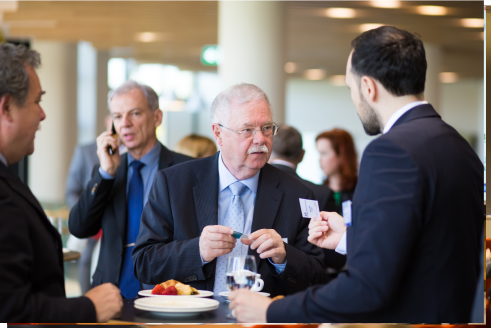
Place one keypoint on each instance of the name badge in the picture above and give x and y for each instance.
(347, 212)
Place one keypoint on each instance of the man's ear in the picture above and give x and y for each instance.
(158, 117)
(369, 89)
(5, 107)
(217, 133)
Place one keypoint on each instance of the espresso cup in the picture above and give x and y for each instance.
(259, 284)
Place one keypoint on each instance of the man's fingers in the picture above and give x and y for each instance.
(266, 245)
(257, 234)
(246, 241)
(260, 240)
(219, 229)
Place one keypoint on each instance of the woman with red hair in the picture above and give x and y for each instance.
(338, 161)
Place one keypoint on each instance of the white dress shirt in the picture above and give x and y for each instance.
(341, 248)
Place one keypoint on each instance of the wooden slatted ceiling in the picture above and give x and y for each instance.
(313, 40)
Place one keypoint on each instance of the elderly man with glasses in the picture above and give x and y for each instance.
(194, 208)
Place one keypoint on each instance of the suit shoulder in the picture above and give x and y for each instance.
(180, 158)
(287, 181)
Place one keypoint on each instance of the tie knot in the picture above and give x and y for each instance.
(137, 165)
(237, 188)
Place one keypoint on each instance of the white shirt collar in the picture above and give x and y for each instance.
(401, 111)
(3, 160)
(226, 178)
(282, 162)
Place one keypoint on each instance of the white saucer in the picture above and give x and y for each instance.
(225, 294)
(178, 306)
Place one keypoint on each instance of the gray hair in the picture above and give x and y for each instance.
(149, 93)
(237, 94)
(13, 75)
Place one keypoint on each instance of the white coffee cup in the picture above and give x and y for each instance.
(259, 284)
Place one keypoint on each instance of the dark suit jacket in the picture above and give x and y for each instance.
(80, 172)
(103, 205)
(414, 243)
(32, 284)
(325, 198)
(184, 199)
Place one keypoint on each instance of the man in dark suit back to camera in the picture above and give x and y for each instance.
(415, 236)
(286, 155)
(32, 284)
(119, 188)
(193, 208)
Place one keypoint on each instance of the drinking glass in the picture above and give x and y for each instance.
(241, 273)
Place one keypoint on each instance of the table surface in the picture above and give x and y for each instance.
(130, 314)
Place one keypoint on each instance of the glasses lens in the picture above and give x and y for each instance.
(247, 133)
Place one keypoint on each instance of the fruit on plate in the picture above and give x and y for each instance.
(183, 289)
(158, 290)
(177, 288)
(171, 290)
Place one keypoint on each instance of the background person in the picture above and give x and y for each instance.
(196, 146)
(419, 191)
(32, 285)
(193, 208)
(286, 155)
(338, 161)
(119, 188)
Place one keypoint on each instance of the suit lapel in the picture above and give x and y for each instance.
(19, 187)
(166, 160)
(206, 193)
(119, 196)
(268, 201)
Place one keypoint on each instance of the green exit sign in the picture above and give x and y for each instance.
(210, 55)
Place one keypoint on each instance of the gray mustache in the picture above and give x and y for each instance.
(256, 149)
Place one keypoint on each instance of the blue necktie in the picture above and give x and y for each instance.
(128, 284)
(233, 219)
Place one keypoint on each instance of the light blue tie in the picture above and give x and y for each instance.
(233, 219)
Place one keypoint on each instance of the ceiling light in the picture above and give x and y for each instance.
(472, 22)
(338, 80)
(290, 67)
(340, 13)
(448, 77)
(149, 37)
(386, 4)
(367, 27)
(431, 10)
(314, 74)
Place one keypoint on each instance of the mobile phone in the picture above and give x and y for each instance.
(115, 136)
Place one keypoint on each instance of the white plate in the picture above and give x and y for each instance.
(66, 250)
(202, 293)
(181, 306)
(225, 294)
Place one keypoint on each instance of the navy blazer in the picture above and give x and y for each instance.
(103, 205)
(32, 283)
(184, 199)
(414, 243)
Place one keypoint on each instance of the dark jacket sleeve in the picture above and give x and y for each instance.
(304, 261)
(85, 218)
(157, 255)
(387, 216)
(20, 301)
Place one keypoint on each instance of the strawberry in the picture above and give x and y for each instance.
(171, 290)
(158, 290)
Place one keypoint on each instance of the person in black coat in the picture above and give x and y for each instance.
(184, 232)
(286, 155)
(32, 285)
(415, 234)
(107, 201)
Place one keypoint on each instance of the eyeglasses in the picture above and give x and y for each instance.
(267, 131)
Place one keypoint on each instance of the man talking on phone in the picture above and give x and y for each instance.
(114, 198)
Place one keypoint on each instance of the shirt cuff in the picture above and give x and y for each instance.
(105, 175)
(202, 262)
(341, 248)
(279, 267)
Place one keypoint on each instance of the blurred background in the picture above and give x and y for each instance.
(190, 51)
